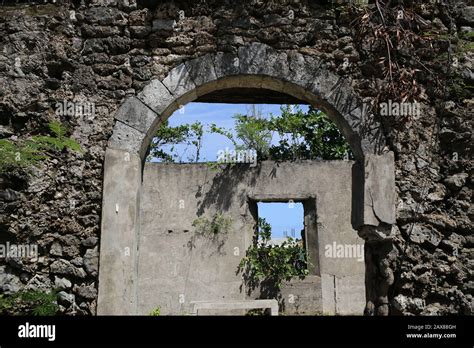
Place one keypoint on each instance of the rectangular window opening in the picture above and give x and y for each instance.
(290, 220)
(285, 219)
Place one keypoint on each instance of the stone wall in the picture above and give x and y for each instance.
(101, 51)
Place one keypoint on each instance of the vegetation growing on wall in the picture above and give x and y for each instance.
(396, 42)
(219, 223)
(29, 302)
(24, 154)
(418, 51)
(54, 67)
(156, 312)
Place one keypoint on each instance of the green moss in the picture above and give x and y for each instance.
(465, 46)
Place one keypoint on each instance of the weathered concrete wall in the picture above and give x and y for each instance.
(177, 265)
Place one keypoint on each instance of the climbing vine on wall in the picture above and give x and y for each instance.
(219, 223)
(396, 42)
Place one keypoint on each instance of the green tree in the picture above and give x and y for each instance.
(272, 264)
(254, 132)
(187, 134)
(309, 135)
(301, 136)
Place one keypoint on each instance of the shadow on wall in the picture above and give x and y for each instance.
(225, 185)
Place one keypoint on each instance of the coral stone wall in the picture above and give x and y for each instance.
(99, 52)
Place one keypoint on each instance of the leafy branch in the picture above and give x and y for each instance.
(29, 152)
(29, 302)
(300, 136)
(272, 264)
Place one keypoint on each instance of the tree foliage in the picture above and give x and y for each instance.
(306, 136)
(254, 132)
(272, 264)
(293, 135)
(188, 134)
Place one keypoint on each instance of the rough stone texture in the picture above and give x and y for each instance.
(91, 262)
(112, 49)
(64, 267)
(180, 83)
(198, 77)
(156, 96)
(9, 283)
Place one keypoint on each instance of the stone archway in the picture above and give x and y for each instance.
(255, 66)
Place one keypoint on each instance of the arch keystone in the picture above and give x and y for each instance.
(261, 59)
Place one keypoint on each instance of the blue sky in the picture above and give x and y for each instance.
(283, 217)
(279, 215)
(222, 116)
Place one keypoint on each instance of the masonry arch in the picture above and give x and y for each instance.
(254, 66)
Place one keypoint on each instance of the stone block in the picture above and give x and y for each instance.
(379, 189)
(226, 64)
(163, 24)
(261, 59)
(156, 96)
(128, 139)
(302, 69)
(233, 305)
(135, 114)
(180, 84)
(202, 72)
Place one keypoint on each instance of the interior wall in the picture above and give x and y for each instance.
(176, 265)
